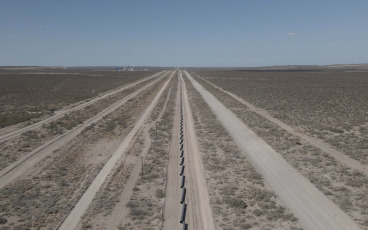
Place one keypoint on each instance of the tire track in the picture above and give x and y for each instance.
(199, 213)
(337, 155)
(79, 209)
(61, 113)
(26, 162)
(172, 208)
(314, 209)
(120, 211)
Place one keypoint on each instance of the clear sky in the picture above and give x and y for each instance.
(183, 33)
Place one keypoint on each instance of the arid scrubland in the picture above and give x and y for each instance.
(30, 95)
(147, 202)
(239, 198)
(346, 187)
(17, 147)
(145, 205)
(330, 105)
(43, 197)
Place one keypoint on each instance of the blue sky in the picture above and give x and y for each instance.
(183, 33)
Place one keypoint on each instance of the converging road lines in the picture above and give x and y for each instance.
(79, 209)
(311, 206)
(344, 159)
(172, 209)
(182, 186)
(198, 213)
(120, 211)
(61, 113)
(14, 170)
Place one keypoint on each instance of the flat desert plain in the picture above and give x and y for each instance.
(193, 148)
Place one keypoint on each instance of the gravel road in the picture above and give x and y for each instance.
(79, 209)
(172, 209)
(199, 213)
(313, 209)
(325, 147)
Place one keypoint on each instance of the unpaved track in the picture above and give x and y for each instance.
(199, 213)
(342, 158)
(120, 211)
(26, 162)
(172, 209)
(79, 209)
(313, 209)
(61, 113)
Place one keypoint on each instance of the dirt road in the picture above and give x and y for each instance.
(344, 159)
(314, 209)
(61, 113)
(79, 209)
(199, 213)
(172, 208)
(120, 211)
(25, 163)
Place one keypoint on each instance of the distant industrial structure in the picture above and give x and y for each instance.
(125, 68)
(128, 68)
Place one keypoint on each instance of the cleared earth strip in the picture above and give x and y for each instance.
(314, 209)
(26, 162)
(344, 159)
(239, 197)
(199, 213)
(79, 209)
(119, 185)
(58, 114)
(120, 214)
(172, 208)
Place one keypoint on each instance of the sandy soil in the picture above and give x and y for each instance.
(8, 135)
(172, 209)
(19, 146)
(146, 204)
(46, 194)
(142, 147)
(239, 197)
(108, 207)
(346, 187)
(325, 147)
(79, 209)
(199, 213)
(329, 105)
(314, 210)
(120, 211)
(23, 164)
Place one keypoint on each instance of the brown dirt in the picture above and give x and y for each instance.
(42, 200)
(29, 95)
(238, 195)
(329, 105)
(146, 204)
(147, 145)
(344, 186)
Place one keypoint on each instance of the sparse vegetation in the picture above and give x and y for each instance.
(330, 105)
(28, 141)
(236, 189)
(150, 193)
(3, 220)
(141, 208)
(321, 169)
(29, 95)
(42, 199)
(239, 197)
